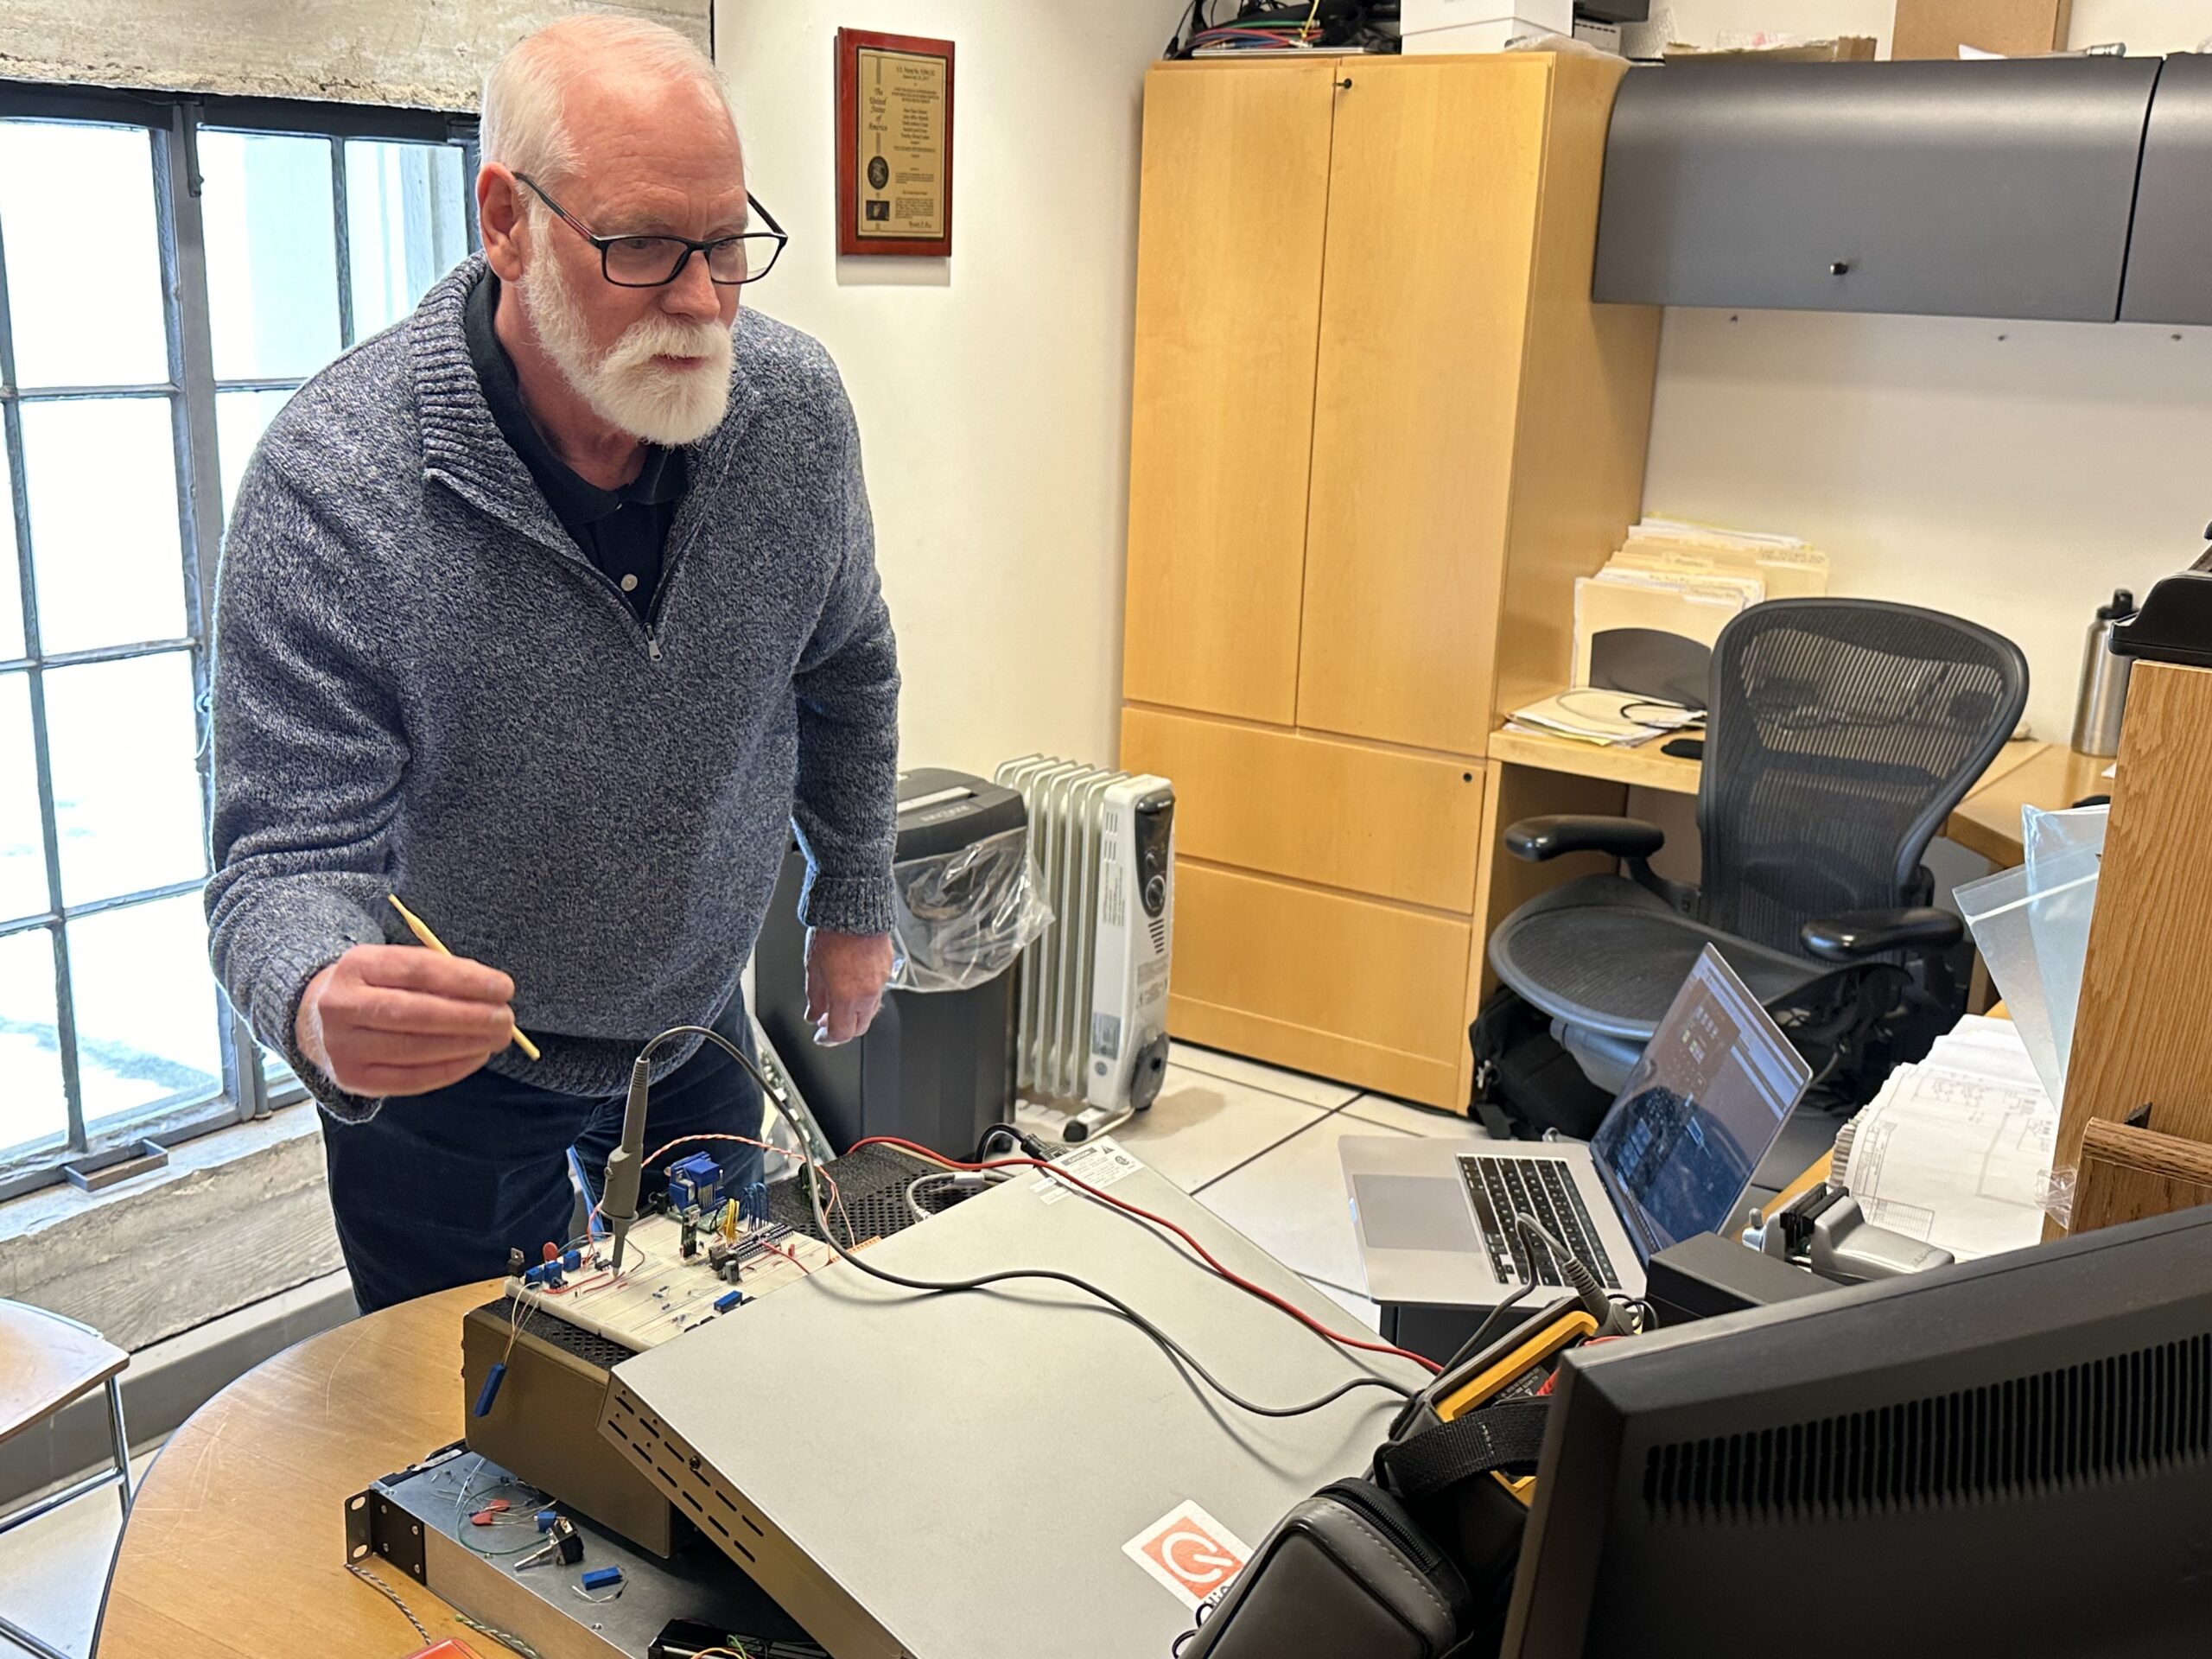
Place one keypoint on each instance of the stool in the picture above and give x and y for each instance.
(46, 1363)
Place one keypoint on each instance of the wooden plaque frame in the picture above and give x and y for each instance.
(853, 47)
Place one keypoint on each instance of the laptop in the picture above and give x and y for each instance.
(1673, 1157)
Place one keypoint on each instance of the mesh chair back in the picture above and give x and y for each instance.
(1842, 732)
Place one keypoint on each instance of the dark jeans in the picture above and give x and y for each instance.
(434, 1190)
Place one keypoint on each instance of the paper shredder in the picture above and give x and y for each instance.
(936, 1065)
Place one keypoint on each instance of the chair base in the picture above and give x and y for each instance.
(118, 1476)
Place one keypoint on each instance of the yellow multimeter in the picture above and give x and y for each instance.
(1516, 1367)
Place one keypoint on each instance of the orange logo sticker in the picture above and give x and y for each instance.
(1189, 1552)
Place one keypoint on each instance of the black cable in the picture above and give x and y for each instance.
(1191, 22)
(944, 1286)
(1021, 1137)
(1576, 1275)
(1473, 1344)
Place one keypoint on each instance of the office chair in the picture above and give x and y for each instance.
(1840, 734)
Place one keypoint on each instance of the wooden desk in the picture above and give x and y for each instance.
(2052, 777)
(236, 1547)
(1640, 767)
(2024, 774)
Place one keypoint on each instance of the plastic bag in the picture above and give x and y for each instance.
(2063, 850)
(1997, 909)
(964, 917)
(2058, 1196)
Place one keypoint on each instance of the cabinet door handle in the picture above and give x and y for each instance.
(1344, 85)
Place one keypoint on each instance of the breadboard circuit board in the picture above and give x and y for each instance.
(660, 1295)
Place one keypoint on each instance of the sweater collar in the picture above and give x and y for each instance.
(463, 444)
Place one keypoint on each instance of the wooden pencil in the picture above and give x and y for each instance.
(421, 929)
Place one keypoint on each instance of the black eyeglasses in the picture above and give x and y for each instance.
(656, 261)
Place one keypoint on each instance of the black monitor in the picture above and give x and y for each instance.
(2012, 1456)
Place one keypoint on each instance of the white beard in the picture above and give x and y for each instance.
(625, 386)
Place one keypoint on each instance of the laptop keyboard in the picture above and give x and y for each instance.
(1543, 1189)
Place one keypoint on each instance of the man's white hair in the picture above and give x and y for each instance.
(523, 128)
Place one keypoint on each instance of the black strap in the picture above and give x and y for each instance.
(1509, 1436)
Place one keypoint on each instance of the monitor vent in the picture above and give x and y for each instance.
(2113, 1419)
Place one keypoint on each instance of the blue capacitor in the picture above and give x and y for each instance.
(574, 1261)
(546, 1518)
(728, 1300)
(489, 1391)
(551, 1275)
(602, 1577)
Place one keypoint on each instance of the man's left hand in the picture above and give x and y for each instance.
(845, 976)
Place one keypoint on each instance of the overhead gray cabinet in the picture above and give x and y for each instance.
(2169, 256)
(1982, 190)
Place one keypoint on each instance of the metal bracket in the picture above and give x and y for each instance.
(375, 1526)
(90, 1174)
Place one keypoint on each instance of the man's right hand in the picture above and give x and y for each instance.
(395, 1019)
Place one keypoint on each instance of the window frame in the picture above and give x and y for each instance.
(173, 122)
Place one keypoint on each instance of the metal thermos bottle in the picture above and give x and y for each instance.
(2104, 682)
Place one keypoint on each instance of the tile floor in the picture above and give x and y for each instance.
(53, 1571)
(1257, 1146)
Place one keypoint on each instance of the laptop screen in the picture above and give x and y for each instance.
(1702, 1110)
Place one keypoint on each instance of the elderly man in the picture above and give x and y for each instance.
(550, 611)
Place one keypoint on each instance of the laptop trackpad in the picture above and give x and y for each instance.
(1414, 1212)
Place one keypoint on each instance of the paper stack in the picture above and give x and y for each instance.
(1645, 624)
(1587, 716)
(1956, 1150)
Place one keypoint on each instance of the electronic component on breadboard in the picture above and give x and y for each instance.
(662, 1293)
(694, 1183)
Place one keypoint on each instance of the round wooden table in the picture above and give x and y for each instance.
(236, 1546)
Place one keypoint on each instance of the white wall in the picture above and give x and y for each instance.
(2012, 472)
(992, 389)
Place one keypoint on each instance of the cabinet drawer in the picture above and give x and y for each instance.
(1400, 826)
(1350, 989)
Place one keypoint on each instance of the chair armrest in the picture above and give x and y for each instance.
(1539, 839)
(1857, 934)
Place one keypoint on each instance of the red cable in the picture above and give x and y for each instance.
(1204, 1255)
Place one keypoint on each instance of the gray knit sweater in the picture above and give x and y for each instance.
(423, 687)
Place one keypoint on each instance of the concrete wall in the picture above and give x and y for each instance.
(992, 388)
(236, 1217)
(406, 53)
(2012, 472)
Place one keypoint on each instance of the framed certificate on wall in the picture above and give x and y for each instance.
(894, 144)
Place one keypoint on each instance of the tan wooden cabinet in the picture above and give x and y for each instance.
(1378, 429)
(1235, 191)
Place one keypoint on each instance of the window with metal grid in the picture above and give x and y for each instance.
(171, 270)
